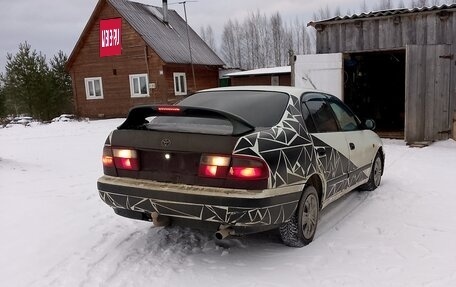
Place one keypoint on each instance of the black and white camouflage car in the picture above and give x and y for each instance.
(240, 160)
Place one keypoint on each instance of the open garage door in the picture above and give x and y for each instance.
(374, 87)
(372, 84)
(427, 93)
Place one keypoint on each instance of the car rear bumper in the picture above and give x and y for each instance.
(233, 207)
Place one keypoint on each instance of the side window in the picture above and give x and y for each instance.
(180, 84)
(347, 120)
(139, 85)
(308, 119)
(322, 116)
(94, 88)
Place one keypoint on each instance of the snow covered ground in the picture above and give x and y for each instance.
(56, 231)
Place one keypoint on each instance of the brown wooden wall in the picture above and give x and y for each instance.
(389, 32)
(136, 58)
(429, 39)
(284, 80)
(205, 77)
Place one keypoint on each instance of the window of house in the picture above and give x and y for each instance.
(139, 85)
(180, 84)
(94, 88)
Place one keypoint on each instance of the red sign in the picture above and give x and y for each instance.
(110, 37)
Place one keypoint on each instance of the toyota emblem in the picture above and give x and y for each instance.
(165, 142)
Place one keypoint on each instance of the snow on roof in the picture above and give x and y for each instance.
(382, 13)
(263, 71)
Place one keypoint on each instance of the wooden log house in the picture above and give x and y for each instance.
(276, 76)
(132, 54)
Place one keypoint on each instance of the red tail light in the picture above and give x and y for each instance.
(235, 167)
(214, 166)
(126, 159)
(126, 163)
(246, 172)
(120, 158)
(108, 160)
(248, 168)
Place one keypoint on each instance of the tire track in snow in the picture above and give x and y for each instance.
(96, 266)
(154, 253)
(339, 211)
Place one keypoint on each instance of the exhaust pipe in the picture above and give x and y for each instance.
(160, 220)
(222, 233)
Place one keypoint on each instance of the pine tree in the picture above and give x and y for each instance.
(61, 94)
(24, 80)
(2, 103)
(30, 86)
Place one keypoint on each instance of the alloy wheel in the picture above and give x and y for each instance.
(310, 216)
(377, 171)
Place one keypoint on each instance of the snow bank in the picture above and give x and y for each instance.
(57, 232)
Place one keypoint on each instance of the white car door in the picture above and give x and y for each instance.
(361, 142)
(330, 143)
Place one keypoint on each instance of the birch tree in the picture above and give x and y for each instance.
(207, 34)
(384, 5)
(277, 38)
(364, 7)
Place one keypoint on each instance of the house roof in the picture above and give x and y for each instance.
(264, 71)
(169, 41)
(383, 13)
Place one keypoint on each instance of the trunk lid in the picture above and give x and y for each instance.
(171, 156)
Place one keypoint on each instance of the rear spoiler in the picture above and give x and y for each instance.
(137, 116)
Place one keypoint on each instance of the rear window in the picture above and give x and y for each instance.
(259, 108)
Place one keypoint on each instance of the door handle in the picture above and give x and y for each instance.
(352, 146)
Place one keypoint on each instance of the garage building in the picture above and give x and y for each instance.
(398, 68)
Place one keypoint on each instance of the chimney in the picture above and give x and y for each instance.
(165, 11)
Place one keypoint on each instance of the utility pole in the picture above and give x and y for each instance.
(291, 61)
(189, 44)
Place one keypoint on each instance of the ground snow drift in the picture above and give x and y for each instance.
(56, 231)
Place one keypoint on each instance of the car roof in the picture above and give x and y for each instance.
(293, 91)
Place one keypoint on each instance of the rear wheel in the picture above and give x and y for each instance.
(375, 176)
(300, 229)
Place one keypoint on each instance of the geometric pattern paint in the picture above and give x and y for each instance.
(290, 152)
(241, 216)
(286, 148)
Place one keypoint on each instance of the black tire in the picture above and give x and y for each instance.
(300, 229)
(375, 175)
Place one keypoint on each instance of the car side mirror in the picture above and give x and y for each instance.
(369, 124)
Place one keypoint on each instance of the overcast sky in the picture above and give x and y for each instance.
(53, 25)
